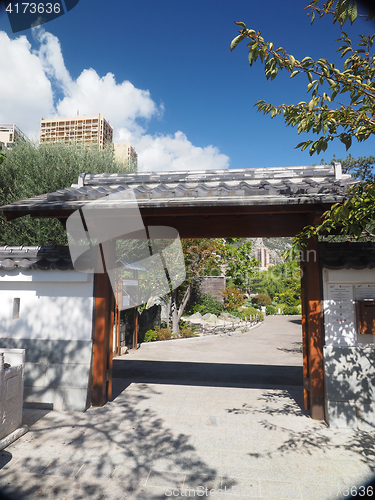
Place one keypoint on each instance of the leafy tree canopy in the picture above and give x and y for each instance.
(240, 266)
(362, 168)
(2, 154)
(280, 281)
(342, 104)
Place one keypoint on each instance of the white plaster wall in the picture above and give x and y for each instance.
(344, 333)
(348, 356)
(53, 305)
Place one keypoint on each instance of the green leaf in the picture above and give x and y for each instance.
(352, 12)
(243, 25)
(347, 140)
(345, 51)
(294, 74)
(236, 41)
(310, 85)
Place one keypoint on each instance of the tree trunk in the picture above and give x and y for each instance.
(174, 314)
(184, 301)
(169, 305)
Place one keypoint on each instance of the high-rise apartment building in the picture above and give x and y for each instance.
(9, 133)
(265, 257)
(126, 154)
(80, 129)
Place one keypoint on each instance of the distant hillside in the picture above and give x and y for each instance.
(275, 245)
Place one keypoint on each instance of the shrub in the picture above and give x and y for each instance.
(161, 334)
(247, 313)
(164, 334)
(187, 332)
(262, 299)
(233, 297)
(252, 311)
(150, 336)
(271, 310)
(289, 310)
(208, 304)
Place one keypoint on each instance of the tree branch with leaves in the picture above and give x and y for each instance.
(341, 106)
(326, 113)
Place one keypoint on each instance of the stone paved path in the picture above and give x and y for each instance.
(167, 436)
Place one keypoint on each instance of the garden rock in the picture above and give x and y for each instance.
(196, 315)
(229, 317)
(210, 318)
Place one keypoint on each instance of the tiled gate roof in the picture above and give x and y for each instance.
(322, 184)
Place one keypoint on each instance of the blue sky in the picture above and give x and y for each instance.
(161, 72)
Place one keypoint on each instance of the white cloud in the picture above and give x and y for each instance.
(121, 103)
(50, 55)
(176, 152)
(30, 76)
(25, 90)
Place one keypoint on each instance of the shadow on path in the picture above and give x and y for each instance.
(209, 374)
(122, 450)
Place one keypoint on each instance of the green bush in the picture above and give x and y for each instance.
(208, 304)
(290, 310)
(164, 334)
(233, 297)
(271, 310)
(262, 299)
(187, 332)
(247, 313)
(150, 336)
(252, 311)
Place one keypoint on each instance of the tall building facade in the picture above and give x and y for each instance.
(9, 134)
(80, 129)
(265, 257)
(126, 154)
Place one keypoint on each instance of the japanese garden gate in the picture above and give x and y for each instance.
(261, 202)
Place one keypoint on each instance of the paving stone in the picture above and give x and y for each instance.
(278, 489)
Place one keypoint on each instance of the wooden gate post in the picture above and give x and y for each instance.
(103, 339)
(312, 331)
